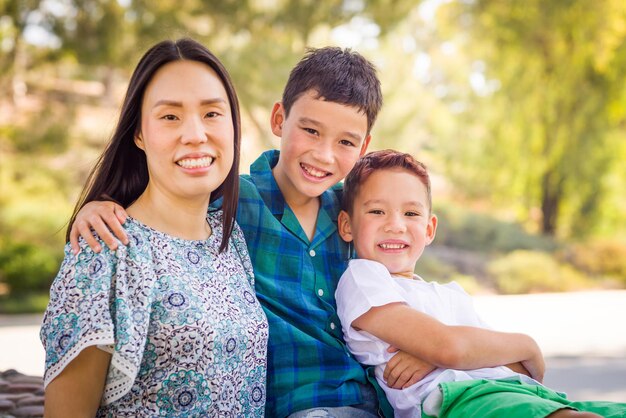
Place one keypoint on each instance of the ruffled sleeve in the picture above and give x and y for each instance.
(100, 300)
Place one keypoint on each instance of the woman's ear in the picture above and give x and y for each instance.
(343, 224)
(139, 141)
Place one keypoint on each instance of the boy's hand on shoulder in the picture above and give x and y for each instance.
(106, 218)
(404, 370)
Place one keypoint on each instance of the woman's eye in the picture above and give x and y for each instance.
(169, 117)
(212, 114)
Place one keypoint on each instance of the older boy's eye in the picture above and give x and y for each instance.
(376, 212)
(347, 143)
(310, 130)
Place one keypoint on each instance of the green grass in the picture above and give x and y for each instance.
(24, 303)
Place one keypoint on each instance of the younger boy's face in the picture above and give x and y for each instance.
(320, 143)
(391, 221)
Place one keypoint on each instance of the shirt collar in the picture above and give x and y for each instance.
(261, 175)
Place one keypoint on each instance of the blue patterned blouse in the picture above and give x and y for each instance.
(185, 330)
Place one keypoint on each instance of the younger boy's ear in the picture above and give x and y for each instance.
(366, 143)
(277, 119)
(431, 229)
(343, 224)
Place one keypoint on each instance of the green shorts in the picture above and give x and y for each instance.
(512, 399)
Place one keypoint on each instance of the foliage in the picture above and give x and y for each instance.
(524, 271)
(27, 266)
(474, 231)
(549, 101)
(600, 258)
(24, 303)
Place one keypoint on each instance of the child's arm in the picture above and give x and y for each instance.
(454, 347)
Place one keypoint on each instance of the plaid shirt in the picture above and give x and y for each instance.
(308, 362)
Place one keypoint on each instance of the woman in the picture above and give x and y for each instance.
(168, 325)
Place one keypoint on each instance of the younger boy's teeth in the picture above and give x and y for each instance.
(392, 246)
(195, 162)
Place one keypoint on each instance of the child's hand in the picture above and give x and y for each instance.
(404, 370)
(100, 216)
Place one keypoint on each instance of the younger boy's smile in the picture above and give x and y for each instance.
(388, 224)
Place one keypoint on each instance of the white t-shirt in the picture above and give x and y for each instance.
(366, 284)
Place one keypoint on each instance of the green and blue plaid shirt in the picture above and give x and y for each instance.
(308, 362)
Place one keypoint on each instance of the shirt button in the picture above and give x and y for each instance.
(312, 253)
(320, 292)
(332, 325)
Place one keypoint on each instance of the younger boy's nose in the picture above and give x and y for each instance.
(394, 224)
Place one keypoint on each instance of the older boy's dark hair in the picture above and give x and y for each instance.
(336, 75)
(379, 160)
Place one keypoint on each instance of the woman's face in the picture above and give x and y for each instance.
(186, 131)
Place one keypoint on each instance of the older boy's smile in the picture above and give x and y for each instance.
(313, 172)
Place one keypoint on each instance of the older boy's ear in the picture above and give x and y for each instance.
(277, 119)
(431, 229)
(366, 143)
(343, 224)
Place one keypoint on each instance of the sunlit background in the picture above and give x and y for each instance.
(517, 107)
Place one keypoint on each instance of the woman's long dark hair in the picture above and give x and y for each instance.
(121, 173)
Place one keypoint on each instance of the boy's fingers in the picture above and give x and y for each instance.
(74, 239)
(394, 375)
(103, 232)
(85, 232)
(120, 213)
(114, 223)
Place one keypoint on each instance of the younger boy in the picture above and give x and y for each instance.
(380, 301)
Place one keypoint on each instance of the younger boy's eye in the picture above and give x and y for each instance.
(410, 213)
(376, 212)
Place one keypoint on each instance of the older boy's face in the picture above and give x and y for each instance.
(320, 143)
(390, 221)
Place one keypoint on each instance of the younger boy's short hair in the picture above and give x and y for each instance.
(380, 160)
(336, 75)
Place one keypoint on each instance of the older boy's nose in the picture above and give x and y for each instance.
(193, 131)
(324, 153)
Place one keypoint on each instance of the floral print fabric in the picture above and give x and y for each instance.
(181, 320)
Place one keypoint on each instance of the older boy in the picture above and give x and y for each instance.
(380, 301)
(288, 208)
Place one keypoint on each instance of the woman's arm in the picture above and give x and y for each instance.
(453, 347)
(77, 390)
